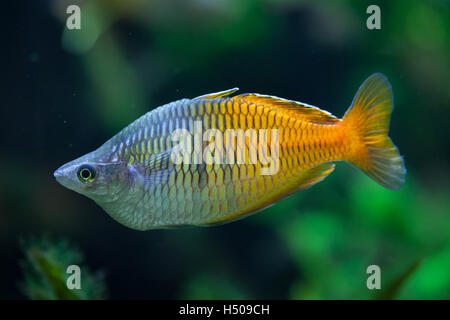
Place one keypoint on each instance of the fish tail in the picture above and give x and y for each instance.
(367, 121)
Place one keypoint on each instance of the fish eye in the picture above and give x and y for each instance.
(86, 173)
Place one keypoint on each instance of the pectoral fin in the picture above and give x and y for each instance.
(157, 169)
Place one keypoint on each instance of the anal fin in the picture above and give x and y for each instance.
(310, 177)
(304, 179)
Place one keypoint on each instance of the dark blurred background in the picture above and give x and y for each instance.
(66, 92)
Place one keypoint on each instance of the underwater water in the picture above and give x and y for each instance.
(66, 91)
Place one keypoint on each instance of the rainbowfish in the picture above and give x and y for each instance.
(219, 158)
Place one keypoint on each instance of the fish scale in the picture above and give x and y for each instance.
(242, 193)
(132, 177)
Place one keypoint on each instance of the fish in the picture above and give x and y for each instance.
(221, 157)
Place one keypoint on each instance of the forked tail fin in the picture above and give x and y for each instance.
(368, 121)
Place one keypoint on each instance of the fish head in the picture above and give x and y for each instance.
(94, 177)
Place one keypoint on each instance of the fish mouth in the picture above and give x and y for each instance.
(62, 176)
(57, 174)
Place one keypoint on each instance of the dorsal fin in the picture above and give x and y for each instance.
(219, 94)
(309, 112)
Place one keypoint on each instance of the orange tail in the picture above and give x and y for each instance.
(368, 121)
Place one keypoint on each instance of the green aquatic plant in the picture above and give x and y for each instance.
(45, 272)
(405, 233)
(211, 286)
